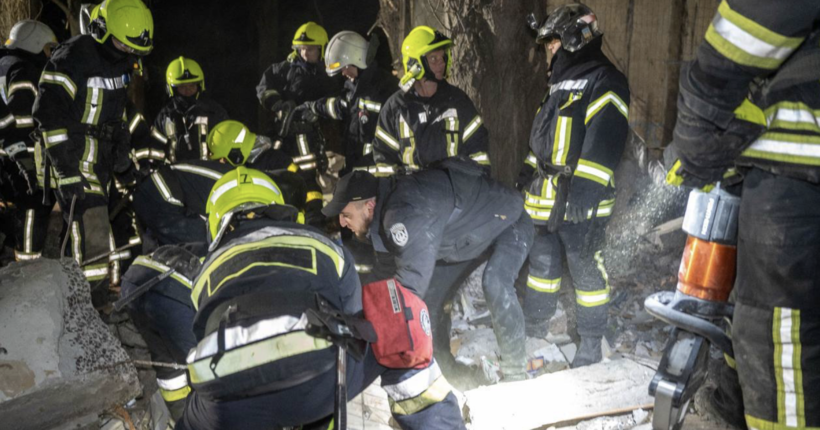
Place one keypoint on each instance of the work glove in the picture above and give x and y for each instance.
(576, 213)
(283, 106)
(178, 258)
(128, 178)
(25, 168)
(306, 112)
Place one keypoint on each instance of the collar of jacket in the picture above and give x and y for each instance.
(363, 81)
(38, 60)
(570, 65)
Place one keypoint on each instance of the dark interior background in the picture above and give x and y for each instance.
(234, 42)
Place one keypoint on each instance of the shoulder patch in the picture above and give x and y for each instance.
(399, 233)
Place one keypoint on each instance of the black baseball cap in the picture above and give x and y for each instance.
(355, 186)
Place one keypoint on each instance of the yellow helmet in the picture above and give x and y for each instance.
(310, 34)
(232, 141)
(129, 21)
(416, 45)
(184, 71)
(236, 191)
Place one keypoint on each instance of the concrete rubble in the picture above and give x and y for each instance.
(60, 367)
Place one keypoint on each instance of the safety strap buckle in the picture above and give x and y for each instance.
(224, 320)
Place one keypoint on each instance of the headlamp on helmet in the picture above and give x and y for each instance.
(574, 24)
(421, 41)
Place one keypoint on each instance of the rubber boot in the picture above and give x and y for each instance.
(589, 352)
(536, 328)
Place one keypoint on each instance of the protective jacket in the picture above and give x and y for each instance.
(81, 109)
(171, 204)
(359, 107)
(415, 131)
(251, 330)
(782, 57)
(19, 74)
(182, 127)
(452, 212)
(296, 80)
(577, 137)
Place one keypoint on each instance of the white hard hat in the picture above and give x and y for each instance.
(344, 49)
(31, 36)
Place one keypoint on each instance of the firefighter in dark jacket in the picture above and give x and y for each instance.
(164, 314)
(80, 111)
(170, 204)
(299, 79)
(183, 124)
(366, 89)
(428, 120)
(233, 143)
(21, 62)
(576, 142)
(254, 366)
(440, 224)
(772, 140)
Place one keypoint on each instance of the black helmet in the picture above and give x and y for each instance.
(575, 24)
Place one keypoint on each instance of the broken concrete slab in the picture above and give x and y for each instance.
(558, 397)
(59, 364)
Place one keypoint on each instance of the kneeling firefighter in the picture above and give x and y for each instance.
(268, 284)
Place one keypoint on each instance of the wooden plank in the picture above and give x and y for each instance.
(560, 397)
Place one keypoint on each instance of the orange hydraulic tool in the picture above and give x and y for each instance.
(705, 280)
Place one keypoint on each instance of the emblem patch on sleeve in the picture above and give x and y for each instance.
(399, 233)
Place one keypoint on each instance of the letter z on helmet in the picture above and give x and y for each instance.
(129, 21)
(575, 24)
(310, 34)
(417, 44)
(236, 191)
(232, 141)
(184, 71)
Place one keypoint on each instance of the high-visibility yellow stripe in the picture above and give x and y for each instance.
(437, 392)
(601, 102)
(786, 147)
(60, 79)
(560, 146)
(594, 172)
(175, 395)
(544, 285)
(387, 138)
(531, 160)
(313, 195)
(471, 128)
(748, 43)
(296, 242)
(255, 355)
(788, 367)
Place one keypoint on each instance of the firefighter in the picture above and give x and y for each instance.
(233, 143)
(80, 110)
(366, 89)
(254, 366)
(731, 120)
(183, 124)
(170, 205)
(430, 119)
(163, 313)
(576, 142)
(27, 50)
(440, 224)
(298, 79)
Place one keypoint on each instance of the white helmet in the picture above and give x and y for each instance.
(31, 36)
(344, 49)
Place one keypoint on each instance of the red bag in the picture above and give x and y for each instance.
(401, 321)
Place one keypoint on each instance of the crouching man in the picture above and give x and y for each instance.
(255, 365)
(440, 224)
